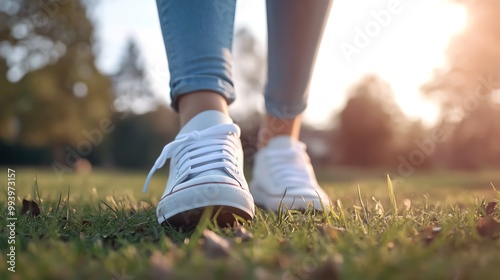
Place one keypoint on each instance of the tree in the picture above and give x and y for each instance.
(51, 88)
(467, 87)
(249, 75)
(132, 89)
(366, 124)
(138, 119)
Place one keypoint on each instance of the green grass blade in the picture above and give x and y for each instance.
(365, 211)
(392, 197)
(342, 215)
(497, 193)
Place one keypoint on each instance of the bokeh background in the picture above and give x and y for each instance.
(399, 86)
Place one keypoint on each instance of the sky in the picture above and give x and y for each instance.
(402, 41)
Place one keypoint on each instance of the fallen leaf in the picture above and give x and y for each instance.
(328, 271)
(329, 231)
(161, 266)
(429, 234)
(488, 227)
(490, 208)
(242, 233)
(30, 208)
(214, 245)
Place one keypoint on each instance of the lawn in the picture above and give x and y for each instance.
(101, 226)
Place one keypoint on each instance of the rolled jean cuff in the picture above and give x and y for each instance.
(281, 111)
(201, 83)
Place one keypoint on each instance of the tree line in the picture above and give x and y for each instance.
(56, 107)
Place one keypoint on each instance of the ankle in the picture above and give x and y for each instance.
(192, 104)
(273, 126)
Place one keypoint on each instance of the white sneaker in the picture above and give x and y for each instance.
(206, 170)
(283, 174)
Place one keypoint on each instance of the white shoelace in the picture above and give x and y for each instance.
(289, 166)
(214, 151)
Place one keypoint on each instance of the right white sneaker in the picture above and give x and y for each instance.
(206, 170)
(283, 175)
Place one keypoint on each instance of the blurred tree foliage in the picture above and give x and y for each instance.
(469, 90)
(131, 86)
(51, 92)
(51, 89)
(250, 70)
(366, 130)
(142, 127)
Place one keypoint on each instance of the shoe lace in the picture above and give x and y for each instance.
(200, 151)
(290, 165)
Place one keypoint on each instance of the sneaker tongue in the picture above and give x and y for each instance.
(281, 142)
(205, 120)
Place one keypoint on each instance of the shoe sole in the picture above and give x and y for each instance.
(301, 203)
(185, 207)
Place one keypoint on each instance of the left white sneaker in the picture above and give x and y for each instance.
(206, 173)
(283, 174)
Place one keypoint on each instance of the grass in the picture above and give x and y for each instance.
(102, 226)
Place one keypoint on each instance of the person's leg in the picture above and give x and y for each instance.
(273, 126)
(295, 28)
(198, 37)
(283, 174)
(206, 157)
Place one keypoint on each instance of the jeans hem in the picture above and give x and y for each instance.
(193, 84)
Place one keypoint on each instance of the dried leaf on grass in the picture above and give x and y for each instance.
(215, 245)
(329, 231)
(488, 227)
(429, 234)
(490, 208)
(30, 208)
(242, 234)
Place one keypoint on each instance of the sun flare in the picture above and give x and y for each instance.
(405, 53)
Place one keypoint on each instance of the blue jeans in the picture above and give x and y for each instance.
(198, 36)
